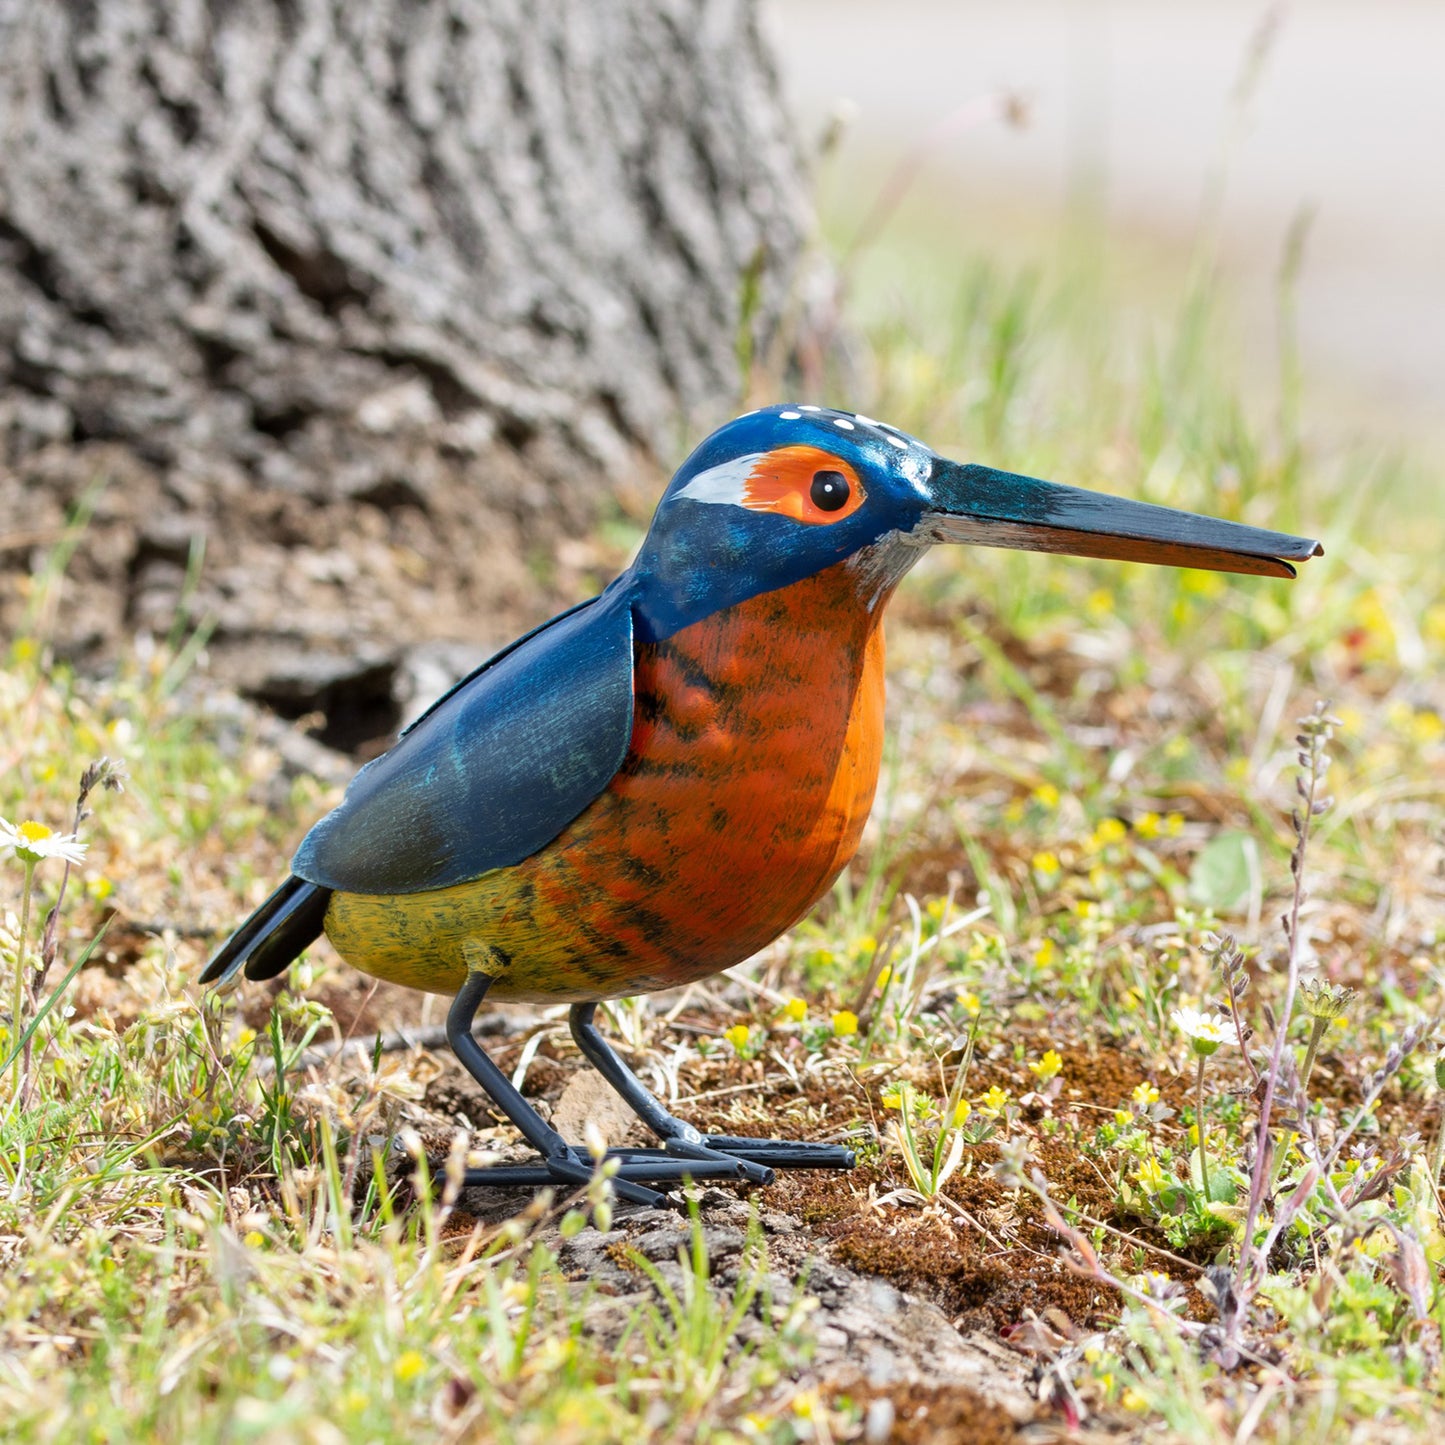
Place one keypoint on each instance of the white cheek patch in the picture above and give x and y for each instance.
(724, 483)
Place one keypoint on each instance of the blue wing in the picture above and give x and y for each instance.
(495, 770)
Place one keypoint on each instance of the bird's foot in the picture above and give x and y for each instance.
(636, 1169)
(773, 1154)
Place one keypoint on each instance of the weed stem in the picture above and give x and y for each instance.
(1199, 1126)
(17, 998)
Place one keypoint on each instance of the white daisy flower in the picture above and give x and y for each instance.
(30, 842)
(1204, 1030)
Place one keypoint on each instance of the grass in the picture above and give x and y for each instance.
(209, 1231)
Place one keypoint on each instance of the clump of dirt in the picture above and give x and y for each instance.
(982, 1283)
(943, 1415)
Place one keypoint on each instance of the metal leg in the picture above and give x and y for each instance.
(561, 1162)
(681, 1139)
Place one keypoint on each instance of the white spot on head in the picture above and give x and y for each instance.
(897, 441)
(843, 422)
(790, 416)
(866, 420)
(810, 408)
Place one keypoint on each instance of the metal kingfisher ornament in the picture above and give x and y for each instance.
(660, 781)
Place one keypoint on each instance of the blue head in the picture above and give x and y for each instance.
(785, 492)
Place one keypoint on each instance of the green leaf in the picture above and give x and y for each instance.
(1226, 873)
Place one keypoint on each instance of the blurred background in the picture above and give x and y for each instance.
(1229, 125)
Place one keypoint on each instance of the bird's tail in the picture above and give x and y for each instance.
(270, 939)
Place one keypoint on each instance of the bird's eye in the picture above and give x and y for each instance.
(829, 491)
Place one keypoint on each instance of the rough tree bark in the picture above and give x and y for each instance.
(381, 298)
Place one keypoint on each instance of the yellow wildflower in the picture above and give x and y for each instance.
(409, 1364)
(961, 1113)
(1201, 584)
(1045, 952)
(1046, 863)
(254, 1239)
(1123, 1117)
(1147, 825)
(795, 1009)
(1145, 1094)
(805, 1405)
(892, 1097)
(970, 1004)
(885, 974)
(1109, 832)
(1150, 1174)
(1047, 1067)
(737, 1036)
(995, 1101)
(1047, 795)
(845, 1023)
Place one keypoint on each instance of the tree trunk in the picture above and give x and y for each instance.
(380, 298)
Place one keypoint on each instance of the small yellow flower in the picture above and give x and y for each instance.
(1145, 1094)
(1151, 1176)
(969, 1003)
(885, 974)
(1201, 584)
(409, 1364)
(1148, 825)
(1132, 1000)
(1133, 1401)
(892, 1097)
(737, 1036)
(254, 1239)
(1047, 1067)
(1045, 863)
(845, 1023)
(961, 1113)
(1047, 795)
(1122, 1117)
(995, 1101)
(795, 1009)
(1045, 953)
(1173, 824)
(805, 1405)
(1109, 832)
(1099, 603)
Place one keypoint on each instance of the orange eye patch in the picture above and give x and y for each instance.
(804, 483)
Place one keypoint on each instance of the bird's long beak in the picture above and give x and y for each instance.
(999, 509)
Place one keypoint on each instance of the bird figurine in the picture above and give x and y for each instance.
(662, 780)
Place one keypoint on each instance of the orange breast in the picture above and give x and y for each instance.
(755, 752)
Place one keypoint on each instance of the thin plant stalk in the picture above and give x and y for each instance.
(1199, 1125)
(17, 997)
(1313, 739)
